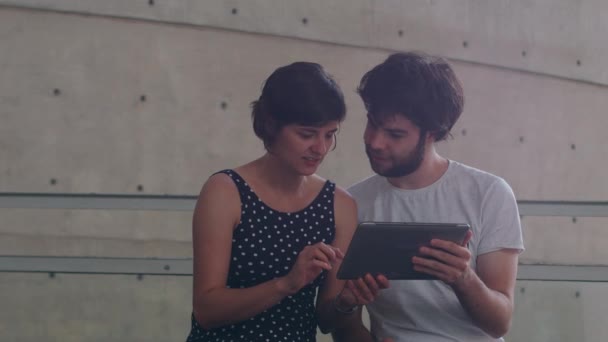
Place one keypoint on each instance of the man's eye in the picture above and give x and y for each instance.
(396, 136)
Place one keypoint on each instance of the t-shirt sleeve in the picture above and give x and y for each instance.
(363, 192)
(501, 226)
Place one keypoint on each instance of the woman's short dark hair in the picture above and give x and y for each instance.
(423, 88)
(299, 93)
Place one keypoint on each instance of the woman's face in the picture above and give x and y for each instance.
(302, 148)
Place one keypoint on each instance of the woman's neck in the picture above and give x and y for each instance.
(272, 171)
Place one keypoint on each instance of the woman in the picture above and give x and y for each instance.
(268, 234)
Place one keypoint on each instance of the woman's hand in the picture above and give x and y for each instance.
(312, 260)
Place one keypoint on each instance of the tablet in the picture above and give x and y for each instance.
(388, 247)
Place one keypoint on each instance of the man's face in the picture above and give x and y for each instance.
(394, 145)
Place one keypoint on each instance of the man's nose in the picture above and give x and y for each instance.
(374, 140)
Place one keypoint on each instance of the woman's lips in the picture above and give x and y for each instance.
(312, 161)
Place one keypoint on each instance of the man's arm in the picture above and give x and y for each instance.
(336, 298)
(352, 329)
(487, 295)
(361, 292)
(345, 210)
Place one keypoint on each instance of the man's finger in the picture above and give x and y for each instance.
(371, 284)
(467, 238)
(355, 291)
(364, 290)
(383, 281)
(443, 257)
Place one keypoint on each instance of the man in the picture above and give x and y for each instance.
(413, 100)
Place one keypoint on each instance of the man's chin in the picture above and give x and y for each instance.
(377, 168)
(385, 169)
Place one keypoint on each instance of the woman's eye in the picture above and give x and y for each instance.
(306, 135)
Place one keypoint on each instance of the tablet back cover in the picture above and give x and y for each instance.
(388, 247)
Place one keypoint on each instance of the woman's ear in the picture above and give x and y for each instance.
(271, 130)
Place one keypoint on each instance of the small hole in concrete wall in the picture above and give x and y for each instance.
(140, 188)
(522, 290)
(235, 11)
(574, 220)
(465, 44)
(167, 267)
(578, 62)
(400, 33)
(140, 277)
(143, 98)
(224, 105)
(304, 21)
(151, 2)
(56, 92)
(53, 181)
(52, 275)
(577, 294)
(521, 139)
(464, 132)
(573, 147)
(523, 53)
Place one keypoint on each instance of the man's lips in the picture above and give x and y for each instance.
(376, 157)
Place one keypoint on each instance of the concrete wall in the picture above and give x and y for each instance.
(153, 96)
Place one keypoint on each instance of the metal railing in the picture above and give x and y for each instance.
(183, 267)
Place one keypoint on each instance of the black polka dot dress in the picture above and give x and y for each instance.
(265, 245)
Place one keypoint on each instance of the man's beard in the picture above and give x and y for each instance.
(405, 166)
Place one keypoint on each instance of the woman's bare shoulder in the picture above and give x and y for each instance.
(219, 191)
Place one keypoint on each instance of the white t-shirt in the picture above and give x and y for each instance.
(423, 310)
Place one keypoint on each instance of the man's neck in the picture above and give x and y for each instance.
(432, 168)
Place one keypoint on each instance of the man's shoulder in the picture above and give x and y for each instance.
(466, 172)
(485, 183)
(365, 186)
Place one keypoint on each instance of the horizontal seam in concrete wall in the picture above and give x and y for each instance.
(373, 48)
(41, 237)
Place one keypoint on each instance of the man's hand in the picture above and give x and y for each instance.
(356, 293)
(362, 291)
(446, 260)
